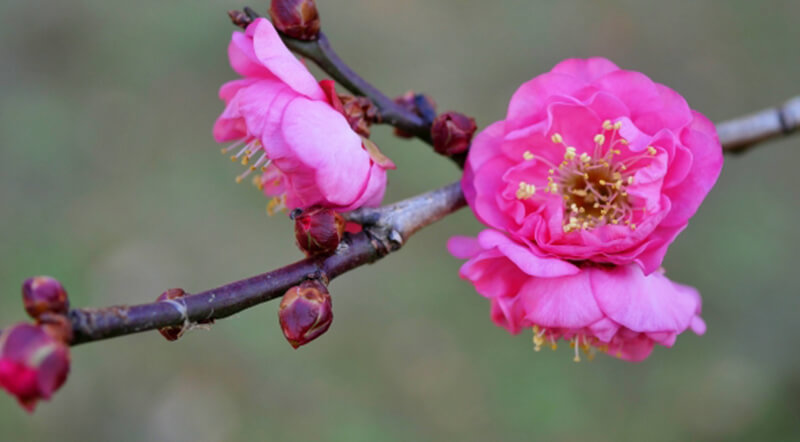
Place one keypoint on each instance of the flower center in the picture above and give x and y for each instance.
(594, 188)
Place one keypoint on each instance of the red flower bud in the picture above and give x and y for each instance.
(421, 105)
(33, 365)
(296, 18)
(171, 333)
(318, 230)
(452, 132)
(43, 294)
(305, 312)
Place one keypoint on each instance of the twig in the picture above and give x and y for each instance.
(742, 133)
(388, 229)
(320, 52)
(391, 227)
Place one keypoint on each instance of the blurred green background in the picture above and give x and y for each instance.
(110, 181)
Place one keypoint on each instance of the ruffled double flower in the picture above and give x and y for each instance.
(583, 186)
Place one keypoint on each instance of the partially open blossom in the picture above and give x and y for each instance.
(33, 365)
(296, 18)
(284, 125)
(43, 294)
(451, 133)
(318, 230)
(305, 312)
(593, 163)
(615, 309)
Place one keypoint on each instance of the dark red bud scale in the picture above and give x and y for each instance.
(452, 133)
(175, 332)
(296, 18)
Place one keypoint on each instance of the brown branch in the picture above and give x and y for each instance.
(322, 54)
(740, 134)
(390, 227)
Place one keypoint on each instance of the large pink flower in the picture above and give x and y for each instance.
(593, 163)
(616, 309)
(287, 125)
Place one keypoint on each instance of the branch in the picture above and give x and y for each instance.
(322, 54)
(389, 229)
(742, 133)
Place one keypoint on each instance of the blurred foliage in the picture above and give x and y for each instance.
(110, 181)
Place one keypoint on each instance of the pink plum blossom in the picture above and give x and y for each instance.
(33, 364)
(290, 128)
(615, 309)
(593, 163)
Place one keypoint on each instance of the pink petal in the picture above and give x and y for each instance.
(243, 59)
(577, 124)
(642, 303)
(275, 56)
(701, 139)
(463, 247)
(529, 102)
(322, 140)
(566, 301)
(586, 69)
(523, 258)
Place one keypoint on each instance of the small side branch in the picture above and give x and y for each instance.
(742, 133)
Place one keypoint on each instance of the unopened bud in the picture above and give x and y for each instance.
(318, 230)
(43, 294)
(421, 105)
(240, 18)
(305, 312)
(296, 18)
(452, 133)
(33, 365)
(174, 332)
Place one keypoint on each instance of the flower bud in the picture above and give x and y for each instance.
(43, 294)
(452, 133)
(296, 18)
(318, 230)
(240, 18)
(171, 333)
(33, 365)
(305, 312)
(419, 104)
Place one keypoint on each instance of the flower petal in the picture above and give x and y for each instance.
(642, 303)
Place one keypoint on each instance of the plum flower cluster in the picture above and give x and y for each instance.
(584, 185)
(34, 359)
(292, 131)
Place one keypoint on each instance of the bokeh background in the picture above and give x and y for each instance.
(110, 181)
